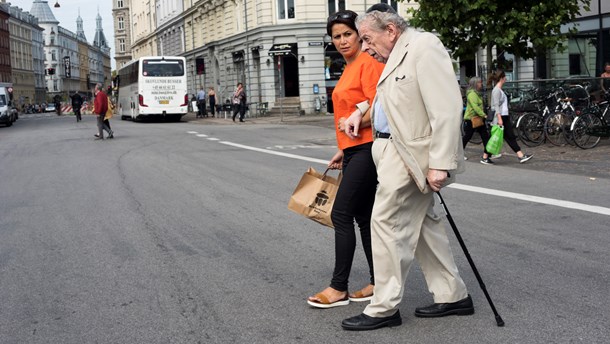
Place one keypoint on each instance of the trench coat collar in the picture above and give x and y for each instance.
(398, 53)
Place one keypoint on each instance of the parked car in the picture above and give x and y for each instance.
(50, 108)
(8, 114)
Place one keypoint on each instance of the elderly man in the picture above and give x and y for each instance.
(100, 107)
(416, 120)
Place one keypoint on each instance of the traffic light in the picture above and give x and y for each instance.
(51, 71)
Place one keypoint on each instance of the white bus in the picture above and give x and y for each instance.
(153, 86)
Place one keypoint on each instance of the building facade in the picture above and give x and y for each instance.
(277, 48)
(25, 56)
(143, 19)
(72, 64)
(5, 44)
(121, 14)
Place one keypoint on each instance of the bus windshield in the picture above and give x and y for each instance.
(162, 67)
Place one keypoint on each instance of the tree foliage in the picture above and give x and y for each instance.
(520, 27)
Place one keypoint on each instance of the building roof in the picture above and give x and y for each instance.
(42, 11)
(100, 39)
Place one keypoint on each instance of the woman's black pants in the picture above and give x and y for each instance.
(469, 130)
(354, 201)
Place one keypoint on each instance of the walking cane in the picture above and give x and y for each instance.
(499, 320)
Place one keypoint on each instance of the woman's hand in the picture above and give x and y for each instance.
(341, 124)
(336, 163)
(500, 123)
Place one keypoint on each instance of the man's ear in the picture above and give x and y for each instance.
(392, 31)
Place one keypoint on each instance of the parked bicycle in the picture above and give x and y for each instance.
(592, 124)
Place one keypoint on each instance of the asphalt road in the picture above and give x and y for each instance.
(174, 233)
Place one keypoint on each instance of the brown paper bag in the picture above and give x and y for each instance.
(314, 196)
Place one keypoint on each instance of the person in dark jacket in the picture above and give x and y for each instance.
(77, 102)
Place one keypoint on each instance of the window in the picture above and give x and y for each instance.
(119, 3)
(335, 5)
(121, 22)
(122, 45)
(285, 9)
(392, 3)
(154, 67)
(53, 56)
(575, 64)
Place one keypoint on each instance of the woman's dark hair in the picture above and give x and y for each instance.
(346, 17)
(495, 76)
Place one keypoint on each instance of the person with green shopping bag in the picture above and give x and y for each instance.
(474, 112)
(499, 104)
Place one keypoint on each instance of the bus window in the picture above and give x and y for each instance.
(162, 68)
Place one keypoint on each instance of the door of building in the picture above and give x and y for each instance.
(291, 76)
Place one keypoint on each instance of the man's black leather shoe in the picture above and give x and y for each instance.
(462, 307)
(364, 322)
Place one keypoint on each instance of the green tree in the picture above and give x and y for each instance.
(524, 28)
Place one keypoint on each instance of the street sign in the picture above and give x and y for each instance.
(67, 66)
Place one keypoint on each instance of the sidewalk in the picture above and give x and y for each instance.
(591, 163)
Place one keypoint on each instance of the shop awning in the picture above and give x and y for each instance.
(283, 49)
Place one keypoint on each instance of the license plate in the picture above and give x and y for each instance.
(164, 102)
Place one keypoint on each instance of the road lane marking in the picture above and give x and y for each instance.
(213, 139)
(201, 135)
(499, 193)
(534, 199)
(191, 132)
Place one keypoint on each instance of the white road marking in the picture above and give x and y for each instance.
(201, 135)
(492, 192)
(191, 132)
(534, 199)
(476, 189)
(267, 151)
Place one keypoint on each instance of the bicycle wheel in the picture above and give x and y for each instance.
(580, 130)
(531, 129)
(554, 127)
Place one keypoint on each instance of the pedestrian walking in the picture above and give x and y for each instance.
(474, 111)
(416, 148)
(212, 100)
(201, 103)
(239, 102)
(356, 193)
(77, 102)
(499, 105)
(107, 118)
(100, 107)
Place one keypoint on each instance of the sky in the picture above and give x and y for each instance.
(68, 12)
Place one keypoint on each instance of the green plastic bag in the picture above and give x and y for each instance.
(494, 145)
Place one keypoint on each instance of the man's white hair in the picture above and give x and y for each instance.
(380, 20)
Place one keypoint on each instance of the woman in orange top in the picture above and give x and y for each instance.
(356, 192)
